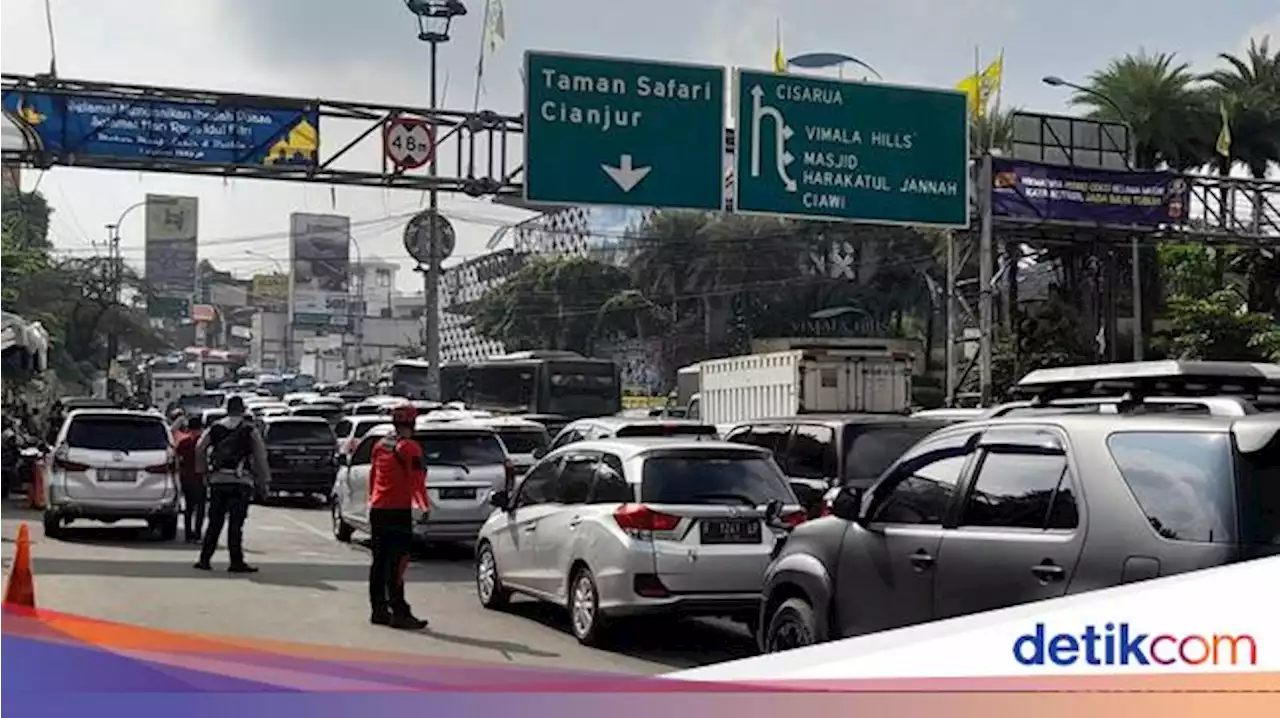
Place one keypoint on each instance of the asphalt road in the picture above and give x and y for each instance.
(311, 588)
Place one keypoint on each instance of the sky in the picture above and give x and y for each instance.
(367, 51)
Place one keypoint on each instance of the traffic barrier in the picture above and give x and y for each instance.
(21, 588)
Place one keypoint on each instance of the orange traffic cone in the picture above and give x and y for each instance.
(21, 589)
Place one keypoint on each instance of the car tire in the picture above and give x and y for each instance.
(489, 589)
(585, 620)
(341, 529)
(52, 525)
(792, 625)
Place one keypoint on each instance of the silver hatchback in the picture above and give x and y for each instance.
(624, 527)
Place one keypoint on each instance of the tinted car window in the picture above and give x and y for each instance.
(812, 453)
(635, 430)
(1260, 495)
(712, 477)
(536, 487)
(1014, 490)
(568, 436)
(298, 432)
(871, 450)
(523, 441)
(330, 413)
(611, 486)
(921, 492)
(770, 436)
(364, 452)
(461, 448)
(363, 427)
(117, 433)
(1182, 481)
(342, 428)
(576, 476)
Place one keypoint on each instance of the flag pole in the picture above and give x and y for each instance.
(484, 39)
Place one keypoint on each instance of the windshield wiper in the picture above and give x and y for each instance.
(464, 467)
(736, 497)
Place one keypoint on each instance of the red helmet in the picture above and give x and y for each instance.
(404, 414)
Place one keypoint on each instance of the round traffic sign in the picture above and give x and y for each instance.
(427, 231)
(409, 142)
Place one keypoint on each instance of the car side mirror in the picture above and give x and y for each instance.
(500, 499)
(848, 504)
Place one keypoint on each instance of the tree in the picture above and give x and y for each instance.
(1208, 315)
(553, 303)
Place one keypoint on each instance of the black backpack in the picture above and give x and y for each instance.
(230, 448)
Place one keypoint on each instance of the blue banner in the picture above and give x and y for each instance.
(1030, 190)
(165, 130)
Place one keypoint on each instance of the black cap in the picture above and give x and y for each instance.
(235, 406)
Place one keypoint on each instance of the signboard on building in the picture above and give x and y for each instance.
(319, 269)
(170, 261)
(1043, 192)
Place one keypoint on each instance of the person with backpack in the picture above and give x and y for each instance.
(194, 493)
(233, 458)
(397, 483)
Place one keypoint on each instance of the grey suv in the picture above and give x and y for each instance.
(1005, 511)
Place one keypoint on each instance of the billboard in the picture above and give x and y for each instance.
(319, 269)
(269, 290)
(188, 131)
(171, 250)
(1035, 191)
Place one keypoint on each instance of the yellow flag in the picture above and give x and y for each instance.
(779, 60)
(980, 86)
(970, 87)
(1224, 135)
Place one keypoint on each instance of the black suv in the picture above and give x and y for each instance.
(300, 451)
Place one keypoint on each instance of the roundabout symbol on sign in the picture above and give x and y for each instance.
(429, 231)
(409, 142)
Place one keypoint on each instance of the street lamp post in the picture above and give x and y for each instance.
(288, 321)
(1139, 348)
(434, 19)
(117, 271)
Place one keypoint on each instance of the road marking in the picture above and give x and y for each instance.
(307, 527)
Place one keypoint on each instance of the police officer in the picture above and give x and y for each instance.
(396, 485)
(233, 459)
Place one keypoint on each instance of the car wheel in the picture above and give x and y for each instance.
(792, 625)
(52, 525)
(341, 529)
(488, 583)
(584, 608)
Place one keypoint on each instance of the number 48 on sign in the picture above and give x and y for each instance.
(409, 142)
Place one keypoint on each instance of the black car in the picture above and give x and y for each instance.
(300, 452)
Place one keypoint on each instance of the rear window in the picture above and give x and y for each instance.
(712, 477)
(461, 448)
(1260, 495)
(363, 427)
(1182, 481)
(523, 441)
(871, 450)
(298, 432)
(324, 412)
(637, 430)
(117, 433)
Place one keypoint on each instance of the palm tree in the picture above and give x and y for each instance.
(1159, 98)
(992, 130)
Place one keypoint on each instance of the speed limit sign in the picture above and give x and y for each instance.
(409, 142)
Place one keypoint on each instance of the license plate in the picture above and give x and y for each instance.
(721, 531)
(457, 493)
(121, 475)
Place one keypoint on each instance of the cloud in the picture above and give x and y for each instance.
(1268, 28)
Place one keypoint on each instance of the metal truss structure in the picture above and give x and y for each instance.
(475, 151)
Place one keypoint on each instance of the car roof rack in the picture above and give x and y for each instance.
(1133, 381)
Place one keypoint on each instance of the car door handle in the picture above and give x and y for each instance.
(1049, 571)
(922, 560)
(573, 523)
(530, 528)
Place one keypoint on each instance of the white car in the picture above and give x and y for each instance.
(112, 464)
(351, 429)
(526, 441)
(466, 464)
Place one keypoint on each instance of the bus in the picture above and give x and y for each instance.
(408, 378)
(556, 383)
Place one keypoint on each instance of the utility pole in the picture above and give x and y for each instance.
(113, 277)
(986, 300)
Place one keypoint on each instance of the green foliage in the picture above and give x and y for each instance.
(1219, 327)
(1047, 334)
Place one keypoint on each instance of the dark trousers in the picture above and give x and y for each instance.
(392, 531)
(229, 504)
(194, 499)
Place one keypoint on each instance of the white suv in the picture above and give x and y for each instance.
(112, 464)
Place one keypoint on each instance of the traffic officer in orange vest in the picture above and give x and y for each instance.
(397, 484)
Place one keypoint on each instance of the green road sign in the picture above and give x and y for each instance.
(169, 307)
(856, 151)
(623, 132)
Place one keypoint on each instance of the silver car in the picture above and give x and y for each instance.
(526, 440)
(112, 464)
(466, 465)
(622, 527)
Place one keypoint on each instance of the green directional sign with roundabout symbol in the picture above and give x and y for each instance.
(613, 131)
(816, 148)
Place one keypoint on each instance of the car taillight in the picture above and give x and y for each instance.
(794, 519)
(70, 465)
(826, 509)
(158, 469)
(638, 517)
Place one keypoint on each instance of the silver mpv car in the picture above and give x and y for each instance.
(624, 527)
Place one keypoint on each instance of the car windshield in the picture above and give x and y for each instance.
(460, 448)
(665, 429)
(735, 478)
(117, 433)
(871, 450)
(523, 441)
(298, 432)
(198, 402)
